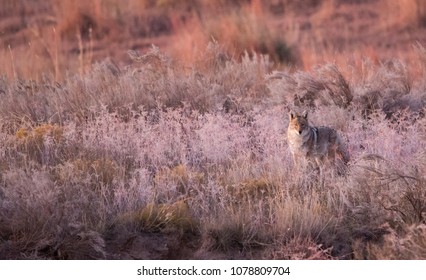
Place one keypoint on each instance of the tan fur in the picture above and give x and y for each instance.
(314, 144)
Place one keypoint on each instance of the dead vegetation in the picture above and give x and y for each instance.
(59, 37)
(185, 157)
(115, 163)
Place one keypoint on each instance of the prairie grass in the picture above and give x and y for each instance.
(157, 161)
(62, 37)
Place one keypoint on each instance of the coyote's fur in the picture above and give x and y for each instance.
(314, 144)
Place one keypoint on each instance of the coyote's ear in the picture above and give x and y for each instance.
(305, 114)
(292, 115)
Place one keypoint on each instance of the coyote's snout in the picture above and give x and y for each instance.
(314, 144)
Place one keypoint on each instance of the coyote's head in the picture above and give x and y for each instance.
(298, 122)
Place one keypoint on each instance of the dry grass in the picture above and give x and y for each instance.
(407, 13)
(59, 37)
(238, 31)
(125, 158)
(182, 153)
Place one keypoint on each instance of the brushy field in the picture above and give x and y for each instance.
(38, 36)
(159, 160)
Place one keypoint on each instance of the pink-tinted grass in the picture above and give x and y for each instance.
(111, 164)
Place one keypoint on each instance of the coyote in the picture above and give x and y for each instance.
(314, 144)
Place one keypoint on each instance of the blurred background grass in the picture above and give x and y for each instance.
(61, 37)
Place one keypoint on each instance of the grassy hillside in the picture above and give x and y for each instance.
(158, 160)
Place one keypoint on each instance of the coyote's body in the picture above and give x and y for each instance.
(314, 144)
